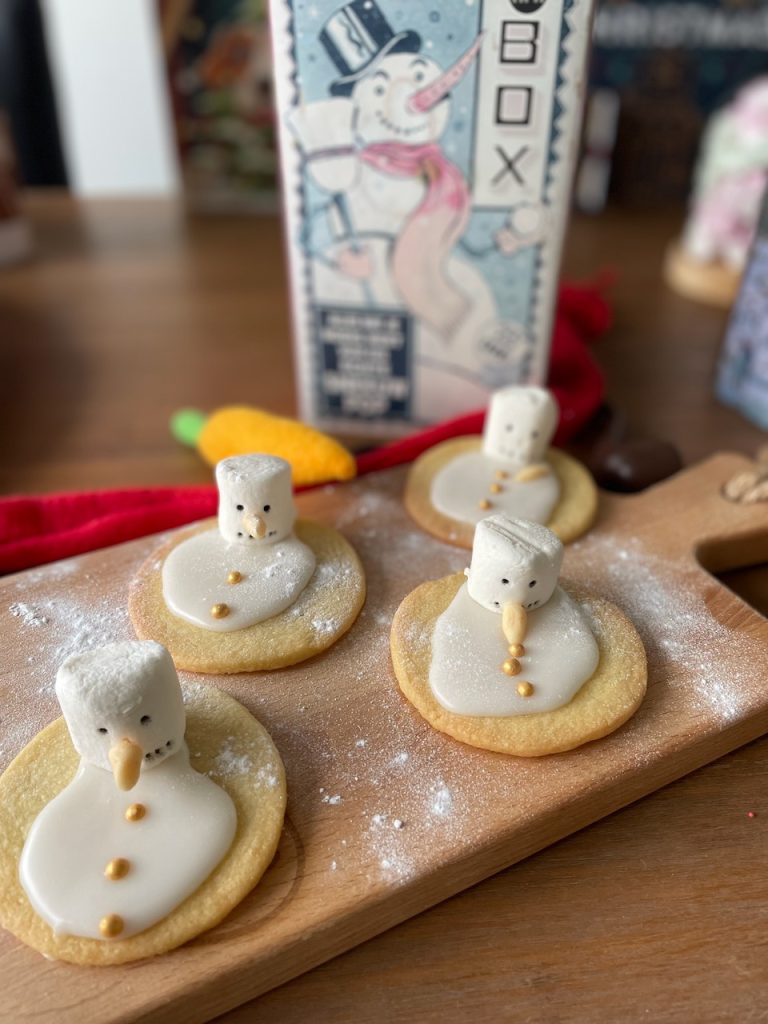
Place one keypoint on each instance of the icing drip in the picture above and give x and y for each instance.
(469, 649)
(244, 583)
(72, 864)
(471, 485)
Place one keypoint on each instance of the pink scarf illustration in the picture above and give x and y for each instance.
(425, 243)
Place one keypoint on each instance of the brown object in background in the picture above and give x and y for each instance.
(658, 136)
(15, 236)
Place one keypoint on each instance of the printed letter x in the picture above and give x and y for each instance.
(510, 165)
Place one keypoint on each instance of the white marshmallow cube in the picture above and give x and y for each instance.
(520, 424)
(128, 690)
(255, 499)
(513, 562)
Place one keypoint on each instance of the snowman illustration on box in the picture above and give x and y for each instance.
(400, 207)
(100, 863)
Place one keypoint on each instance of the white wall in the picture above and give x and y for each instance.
(108, 69)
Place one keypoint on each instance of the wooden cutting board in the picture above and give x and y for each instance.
(359, 758)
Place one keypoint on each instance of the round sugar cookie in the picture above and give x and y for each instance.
(573, 515)
(608, 698)
(324, 611)
(216, 722)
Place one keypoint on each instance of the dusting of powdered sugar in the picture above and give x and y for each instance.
(693, 653)
(29, 615)
(41, 631)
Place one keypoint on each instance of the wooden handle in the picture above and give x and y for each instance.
(689, 515)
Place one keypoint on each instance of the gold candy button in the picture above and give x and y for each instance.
(111, 926)
(117, 868)
(135, 812)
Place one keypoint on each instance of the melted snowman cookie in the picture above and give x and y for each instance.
(244, 595)
(139, 852)
(510, 661)
(512, 470)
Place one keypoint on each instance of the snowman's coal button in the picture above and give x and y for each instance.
(220, 611)
(111, 926)
(525, 689)
(117, 868)
(135, 812)
(233, 576)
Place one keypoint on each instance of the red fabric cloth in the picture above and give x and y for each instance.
(36, 530)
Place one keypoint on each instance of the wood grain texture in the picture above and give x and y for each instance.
(358, 757)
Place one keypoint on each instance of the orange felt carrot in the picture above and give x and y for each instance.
(241, 429)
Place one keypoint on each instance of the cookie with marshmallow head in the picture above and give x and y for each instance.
(120, 835)
(511, 469)
(510, 660)
(246, 594)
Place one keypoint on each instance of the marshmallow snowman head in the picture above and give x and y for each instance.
(255, 499)
(126, 691)
(513, 562)
(520, 425)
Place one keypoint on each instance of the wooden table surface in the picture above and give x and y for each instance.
(656, 913)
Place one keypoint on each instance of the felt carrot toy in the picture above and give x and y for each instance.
(241, 429)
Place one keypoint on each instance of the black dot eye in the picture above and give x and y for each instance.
(239, 507)
(532, 583)
(267, 508)
(145, 719)
(239, 533)
(496, 603)
(102, 729)
(505, 581)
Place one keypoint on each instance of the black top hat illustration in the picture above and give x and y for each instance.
(356, 38)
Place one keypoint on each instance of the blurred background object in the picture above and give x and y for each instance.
(220, 69)
(670, 65)
(725, 205)
(743, 371)
(107, 66)
(15, 235)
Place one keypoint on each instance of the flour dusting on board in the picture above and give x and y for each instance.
(682, 638)
(391, 793)
(40, 632)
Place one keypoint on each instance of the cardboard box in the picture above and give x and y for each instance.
(427, 153)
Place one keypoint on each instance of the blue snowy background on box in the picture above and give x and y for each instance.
(387, 202)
